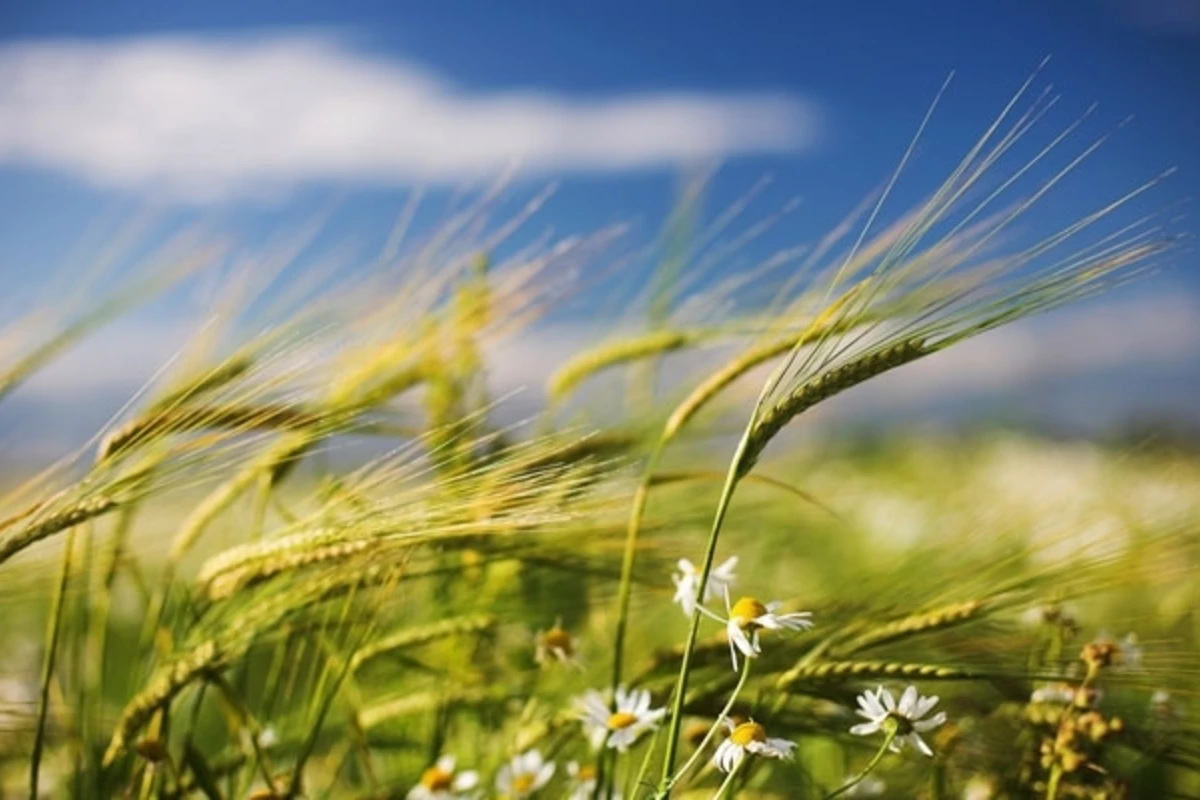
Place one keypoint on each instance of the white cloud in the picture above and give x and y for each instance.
(209, 117)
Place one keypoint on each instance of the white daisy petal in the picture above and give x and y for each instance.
(916, 741)
(884, 714)
(621, 724)
(935, 721)
(924, 706)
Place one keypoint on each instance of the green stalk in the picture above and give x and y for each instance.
(625, 590)
(1056, 774)
(691, 762)
(727, 784)
(887, 742)
(731, 481)
(52, 636)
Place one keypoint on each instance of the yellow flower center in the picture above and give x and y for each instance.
(522, 783)
(586, 774)
(747, 610)
(558, 639)
(748, 732)
(436, 779)
(620, 720)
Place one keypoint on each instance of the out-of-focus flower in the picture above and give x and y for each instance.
(906, 718)
(524, 774)
(749, 737)
(748, 616)
(583, 782)
(621, 727)
(440, 782)
(556, 644)
(720, 578)
(1056, 693)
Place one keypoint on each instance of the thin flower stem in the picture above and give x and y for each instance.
(1052, 784)
(731, 481)
(605, 769)
(727, 784)
(887, 742)
(625, 590)
(52, 641)
(639, 781)
(708, 737)
(601, 772)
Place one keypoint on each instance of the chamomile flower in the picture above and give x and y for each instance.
(749, 737)
(621, 727)
(523, 775)
(557, 645)
(583, 782)
(907, 717)
(439, 782)
(748, 616)
(720, 578)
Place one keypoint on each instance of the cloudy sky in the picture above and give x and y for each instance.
(258, 113)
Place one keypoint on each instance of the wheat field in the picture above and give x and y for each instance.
(320, 556)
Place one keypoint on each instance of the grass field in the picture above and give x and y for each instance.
(310, 561)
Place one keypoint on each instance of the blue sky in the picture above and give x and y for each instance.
(610, 97)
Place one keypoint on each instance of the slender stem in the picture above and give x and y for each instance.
(731, 482)
(1052, 785)
(887, 742)
(601, 770)
(639, 780)
(728, 782)
(708, 737)
(52, 637)
(640, 497)
(611, 780)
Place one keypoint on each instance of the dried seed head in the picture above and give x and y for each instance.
(1098, 655)
(153, 750)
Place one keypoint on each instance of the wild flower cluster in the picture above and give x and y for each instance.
(617, 720)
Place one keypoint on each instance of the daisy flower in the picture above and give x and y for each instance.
(583, 782)
(557, 645)
(905, 717)
(440, 783)
(621, 727)
(749, 737)
(524, 775)
(748, 616)
(720, 578)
